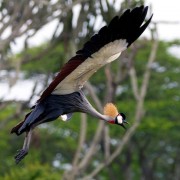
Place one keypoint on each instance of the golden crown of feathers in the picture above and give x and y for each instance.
(110, 110)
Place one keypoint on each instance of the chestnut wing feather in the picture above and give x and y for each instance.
(65, 71)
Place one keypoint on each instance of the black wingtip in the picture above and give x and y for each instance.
(138, 33)
(128, 26)
(137, 28)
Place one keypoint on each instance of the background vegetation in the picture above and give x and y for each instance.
(143, 82)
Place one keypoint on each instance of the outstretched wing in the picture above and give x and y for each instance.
(104, 47)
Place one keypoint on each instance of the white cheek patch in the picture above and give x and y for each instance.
(119, 119)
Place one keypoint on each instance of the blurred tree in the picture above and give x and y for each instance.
(82, 148)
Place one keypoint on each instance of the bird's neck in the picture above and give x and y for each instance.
(101, 116)
(89, 109)
(98, 115)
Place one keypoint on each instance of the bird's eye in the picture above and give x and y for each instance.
(119, 119)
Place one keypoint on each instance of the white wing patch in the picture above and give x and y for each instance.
(66, 117)
(75, 80)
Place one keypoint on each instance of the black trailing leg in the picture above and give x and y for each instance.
(24, 151)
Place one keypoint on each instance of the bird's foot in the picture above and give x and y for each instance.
(21, 154)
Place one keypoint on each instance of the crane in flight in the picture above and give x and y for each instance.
(64, 96)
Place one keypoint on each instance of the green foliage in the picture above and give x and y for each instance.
(33, 171)
(57, 141)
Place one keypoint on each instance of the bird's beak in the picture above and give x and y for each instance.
(123, 126)
(125, 122)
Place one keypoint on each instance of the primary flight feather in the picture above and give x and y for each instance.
(64, 95)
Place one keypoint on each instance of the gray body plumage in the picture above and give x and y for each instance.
(56, 105)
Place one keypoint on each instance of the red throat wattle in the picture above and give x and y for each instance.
(111, 121)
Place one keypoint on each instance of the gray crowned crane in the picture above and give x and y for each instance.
(64, 95)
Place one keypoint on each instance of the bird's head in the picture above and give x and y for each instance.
(115, 117)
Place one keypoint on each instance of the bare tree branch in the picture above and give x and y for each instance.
(106, 143)
(82, 136)
(134, 84)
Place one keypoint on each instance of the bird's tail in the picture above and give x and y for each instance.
(31, 118)
(16, 128)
